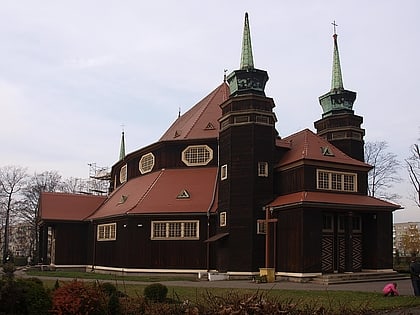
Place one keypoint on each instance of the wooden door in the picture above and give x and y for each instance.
(341, 243)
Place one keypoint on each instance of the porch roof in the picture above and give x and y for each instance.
(67, 207)
(330, 200)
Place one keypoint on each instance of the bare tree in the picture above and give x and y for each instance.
(384, 172)
(12, 181)
(73, 185)
(413, 166)
(48, 181)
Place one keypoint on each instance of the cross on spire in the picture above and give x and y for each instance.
(335, 25)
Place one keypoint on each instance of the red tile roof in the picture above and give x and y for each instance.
(329, 199)
(305, 145)
(67, 207)
(157, 193)
(201, 121)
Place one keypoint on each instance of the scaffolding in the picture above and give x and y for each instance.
(97, 183)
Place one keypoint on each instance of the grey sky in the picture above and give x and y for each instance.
(72, 72)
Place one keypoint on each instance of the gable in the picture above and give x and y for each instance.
(201, 121)
(306, 146)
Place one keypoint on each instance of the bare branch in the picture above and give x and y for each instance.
(384, 172)
(413, 167)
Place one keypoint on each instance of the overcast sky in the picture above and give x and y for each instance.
(73, 72)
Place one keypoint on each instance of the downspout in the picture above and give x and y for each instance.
(94, 246)
(210, 206)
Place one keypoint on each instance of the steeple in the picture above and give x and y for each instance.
(247, 61)
(122, 147)
(337, 78)
(339, 125)
(247, 79)
(337, 100)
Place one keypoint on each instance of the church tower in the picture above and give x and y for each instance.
(246, 144)
(339, 125)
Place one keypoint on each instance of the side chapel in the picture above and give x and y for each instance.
(222, 191)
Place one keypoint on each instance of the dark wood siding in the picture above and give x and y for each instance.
(70, 243)
(134, 247)
(244, 194)
(312, 237)
(289, 240)
(291, 180)
(377, 240)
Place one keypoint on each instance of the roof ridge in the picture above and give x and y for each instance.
(210, 98)
(147, 190)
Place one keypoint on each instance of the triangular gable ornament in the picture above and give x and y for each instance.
(209, 126)
(326, 151)
(183, 195)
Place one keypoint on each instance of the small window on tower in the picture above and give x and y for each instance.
(222, 218)
(263, 169)
(123, 174)
(223, 172)
(261, 227)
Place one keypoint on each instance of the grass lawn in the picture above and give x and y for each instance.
(329, 299)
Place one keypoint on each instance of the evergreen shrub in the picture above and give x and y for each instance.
(155, 292)
(24, 296)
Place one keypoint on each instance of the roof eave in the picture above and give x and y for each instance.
(313, 204)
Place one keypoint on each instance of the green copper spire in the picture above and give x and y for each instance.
(122, 147)
(247, 61)
(337, 100)
(247, 79)
(337, 78)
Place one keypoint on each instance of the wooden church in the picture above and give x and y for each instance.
(221, 191)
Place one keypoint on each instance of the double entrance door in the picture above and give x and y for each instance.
(341, 243)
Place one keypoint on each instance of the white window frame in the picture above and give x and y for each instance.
(146, 163)
(106, 232)
(223, 218)
(263, 169)
(336, 181)
(261, 227)
(123, 174)
(224, 172)
(197, 155)
(175, 230)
